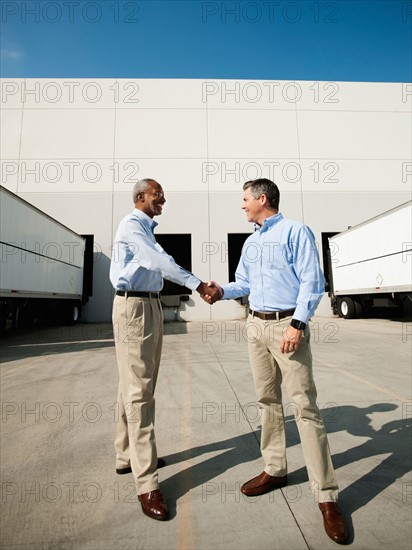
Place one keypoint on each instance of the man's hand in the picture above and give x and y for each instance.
(211, 292)
(290, 340)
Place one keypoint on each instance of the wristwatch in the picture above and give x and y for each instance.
(297, 324)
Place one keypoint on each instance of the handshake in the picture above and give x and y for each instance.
(211, 292)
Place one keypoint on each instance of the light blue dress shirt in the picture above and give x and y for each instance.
(279, 269)
(139, 263)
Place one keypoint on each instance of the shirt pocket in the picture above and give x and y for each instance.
(277, 257)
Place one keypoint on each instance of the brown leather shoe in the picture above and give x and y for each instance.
(334, 522)
(262, 484)
(161, 463)
(154, 505)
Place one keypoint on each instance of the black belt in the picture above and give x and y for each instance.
(274, 315)
(133, 294)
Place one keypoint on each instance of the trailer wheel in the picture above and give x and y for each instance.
(348, 308)
(75, 313)
(72, 314)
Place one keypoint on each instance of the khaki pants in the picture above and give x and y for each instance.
(138, 331)
(269, 368)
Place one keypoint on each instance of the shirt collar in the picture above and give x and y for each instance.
(147, 221)
(269, 222)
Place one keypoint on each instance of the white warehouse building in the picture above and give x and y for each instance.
(340, 153)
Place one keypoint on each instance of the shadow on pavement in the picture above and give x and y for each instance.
(51, 340)
(392, 439)
(41, 340)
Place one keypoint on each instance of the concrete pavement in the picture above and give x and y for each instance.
(59, 487)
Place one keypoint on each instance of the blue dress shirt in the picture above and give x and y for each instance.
(279, 269)
(139, 263)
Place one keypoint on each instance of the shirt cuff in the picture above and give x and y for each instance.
(228, 293)
(302, 314)
(192, 282)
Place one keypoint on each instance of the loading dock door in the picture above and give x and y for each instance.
(235, 242)
(325, 257)
(180, 247)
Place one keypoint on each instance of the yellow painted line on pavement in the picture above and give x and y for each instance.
(185, 512)
(363, 381)
(22, 366)
(70, 343)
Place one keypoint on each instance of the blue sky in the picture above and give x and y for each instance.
(345, 40)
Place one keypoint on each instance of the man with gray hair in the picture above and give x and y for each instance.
(137, 269)
(279, 270)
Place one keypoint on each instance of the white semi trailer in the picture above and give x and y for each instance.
(46, 268)
(371, 264)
